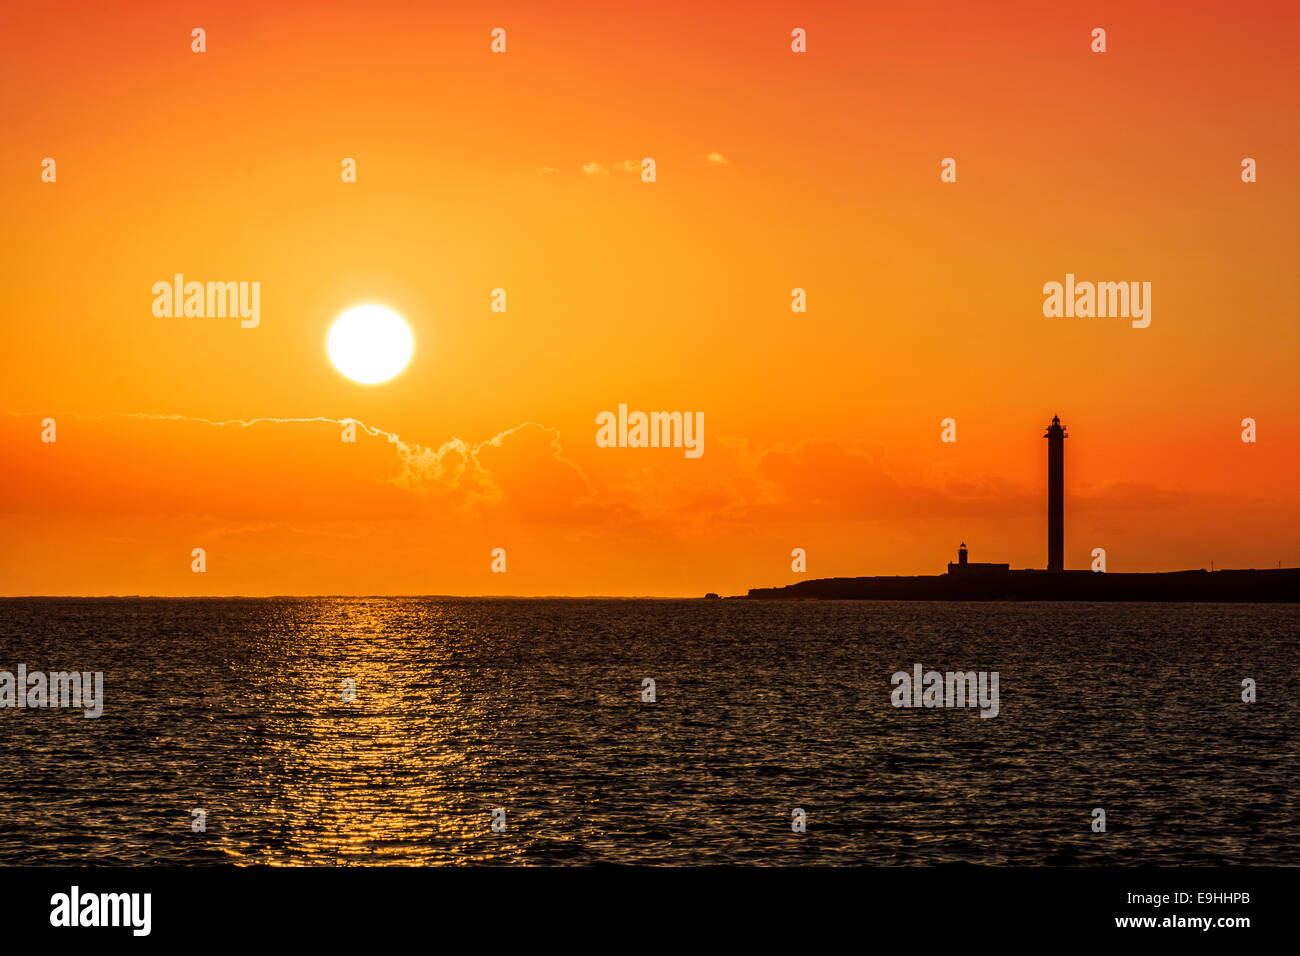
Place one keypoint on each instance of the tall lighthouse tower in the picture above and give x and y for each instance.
(1055, 495)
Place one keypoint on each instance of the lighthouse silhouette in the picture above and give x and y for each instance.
(1055, 495)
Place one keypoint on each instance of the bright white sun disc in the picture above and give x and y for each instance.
(370, 344)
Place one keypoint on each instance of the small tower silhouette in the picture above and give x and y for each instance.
(961, 554)
(1056, 495)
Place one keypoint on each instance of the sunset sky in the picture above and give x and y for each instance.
(775, 170)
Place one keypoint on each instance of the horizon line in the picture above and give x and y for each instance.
(591, 597)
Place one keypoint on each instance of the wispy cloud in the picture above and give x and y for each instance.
(454, 466)
(603, 169)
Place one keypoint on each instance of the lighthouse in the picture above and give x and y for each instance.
(1055, 495)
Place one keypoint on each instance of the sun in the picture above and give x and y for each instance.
(370, 344)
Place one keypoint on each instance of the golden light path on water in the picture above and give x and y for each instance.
(349, 782)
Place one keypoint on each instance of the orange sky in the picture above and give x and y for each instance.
(822, 429)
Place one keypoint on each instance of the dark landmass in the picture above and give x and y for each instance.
(1269, 586)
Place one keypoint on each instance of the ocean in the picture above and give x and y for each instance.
(531, 713)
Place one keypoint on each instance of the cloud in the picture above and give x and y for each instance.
(265, 468)
(602, 169)
(717, 158)
(1122, 496)
(266, 465)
